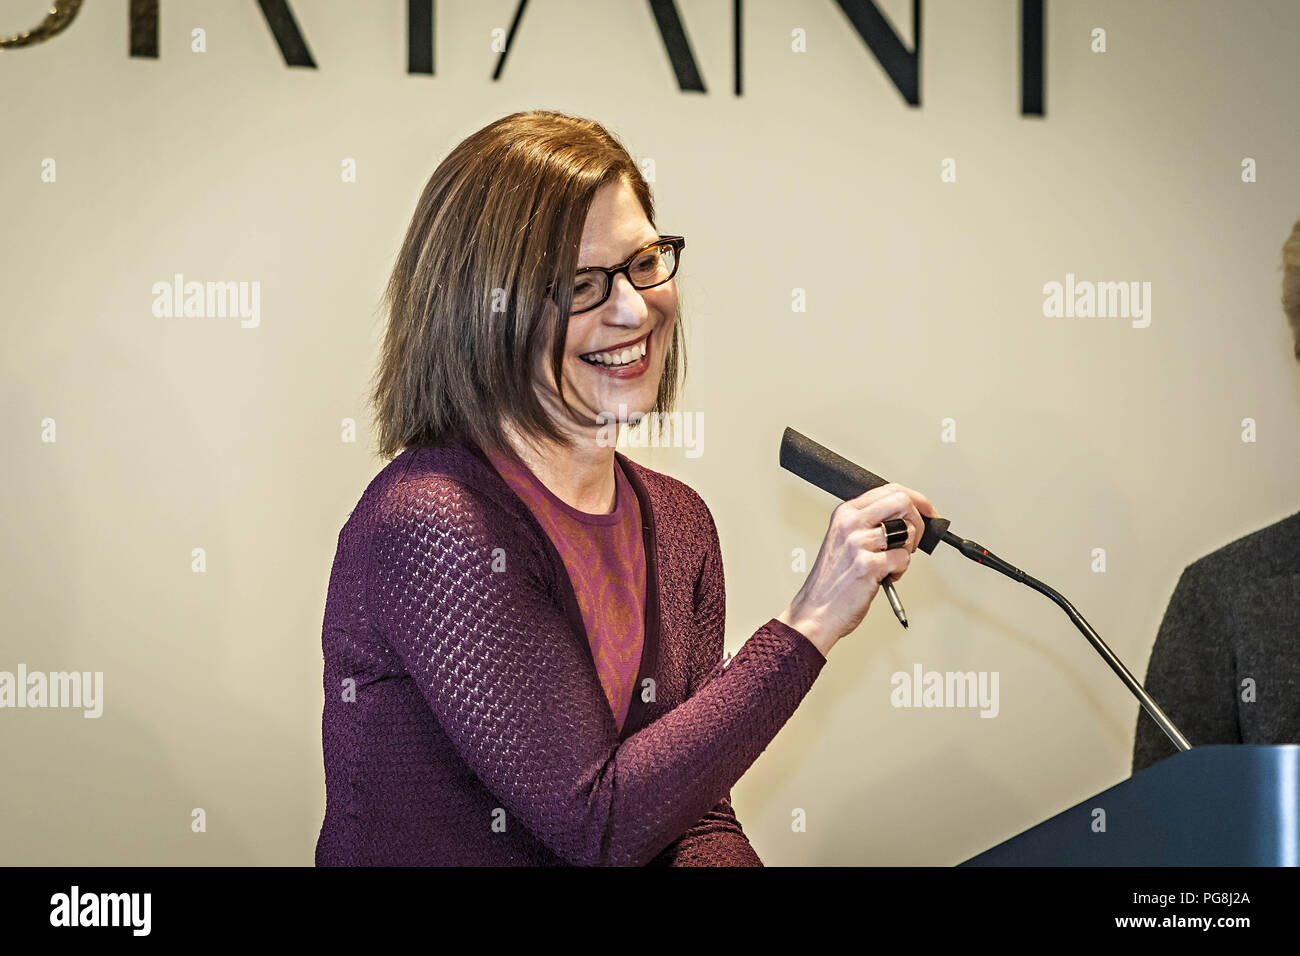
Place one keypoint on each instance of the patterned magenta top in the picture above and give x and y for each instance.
(605, 558)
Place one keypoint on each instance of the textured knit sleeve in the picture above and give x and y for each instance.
(1191, 675)
(716, 839)
(466, 603)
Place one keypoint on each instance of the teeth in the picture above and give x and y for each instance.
(614, 359)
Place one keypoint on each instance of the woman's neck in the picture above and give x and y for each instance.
(582, 476)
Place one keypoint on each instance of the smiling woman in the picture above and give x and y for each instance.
(523, 636)
(488, 274)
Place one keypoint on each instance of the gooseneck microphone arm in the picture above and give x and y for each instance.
(842, 478)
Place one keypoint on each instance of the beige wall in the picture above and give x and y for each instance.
(925, 303)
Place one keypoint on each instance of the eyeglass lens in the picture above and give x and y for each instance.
(651, 267)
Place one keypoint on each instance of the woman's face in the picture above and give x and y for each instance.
(615, 228)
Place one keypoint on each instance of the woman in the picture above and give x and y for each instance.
(1224, 665)
(524, 629)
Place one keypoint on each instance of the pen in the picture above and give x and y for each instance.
(888, 587)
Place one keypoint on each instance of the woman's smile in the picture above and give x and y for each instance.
(628, 361)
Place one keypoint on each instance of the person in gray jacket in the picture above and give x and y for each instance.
(1226, 662)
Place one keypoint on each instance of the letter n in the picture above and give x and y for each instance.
(903, 66)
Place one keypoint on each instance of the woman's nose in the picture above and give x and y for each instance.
(629, 302)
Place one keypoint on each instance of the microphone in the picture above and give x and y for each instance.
(828, 471)
(822, 467)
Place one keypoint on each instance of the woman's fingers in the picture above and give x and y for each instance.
(921, 502)
(896, 563)
(853, 560)
(894, 501)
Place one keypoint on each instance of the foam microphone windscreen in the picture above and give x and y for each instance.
(820, 466)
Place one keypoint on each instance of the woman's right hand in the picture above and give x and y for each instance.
(852, 563)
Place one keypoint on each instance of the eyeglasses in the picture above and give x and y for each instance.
(646, 268)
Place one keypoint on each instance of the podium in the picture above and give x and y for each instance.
(1223, 805)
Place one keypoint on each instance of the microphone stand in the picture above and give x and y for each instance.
(842, 478)
(981, 555)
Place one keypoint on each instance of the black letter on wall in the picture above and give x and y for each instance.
(510, 39)
(419, 36)
(903, 66)
(673, 34)
(143, 16)
(287, 36)
(1031, 58)
(736, 12)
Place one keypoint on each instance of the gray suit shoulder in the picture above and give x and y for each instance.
(1271, 550)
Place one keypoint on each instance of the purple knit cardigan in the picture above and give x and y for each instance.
(464, 722)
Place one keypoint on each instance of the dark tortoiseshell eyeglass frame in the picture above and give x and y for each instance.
(677, 243)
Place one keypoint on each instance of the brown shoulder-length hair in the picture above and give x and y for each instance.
(496, 231)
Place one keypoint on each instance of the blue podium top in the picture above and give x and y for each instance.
(1223, 805)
